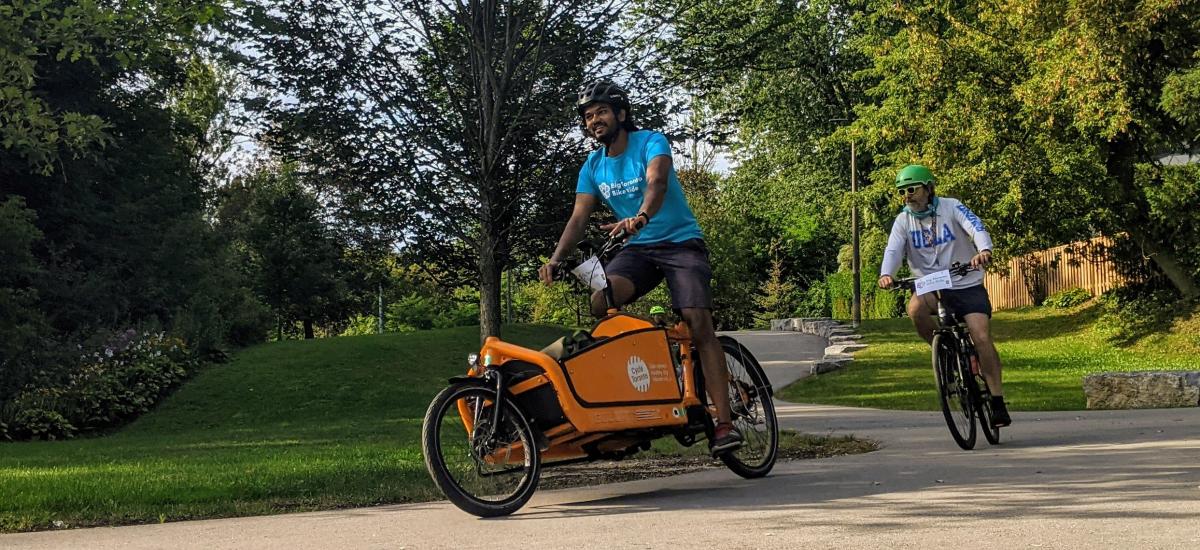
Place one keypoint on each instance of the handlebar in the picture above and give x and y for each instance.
(611, 246)
(957, 270)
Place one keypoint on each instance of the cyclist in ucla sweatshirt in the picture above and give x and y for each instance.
(934, 233)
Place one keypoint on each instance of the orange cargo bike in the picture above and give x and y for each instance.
(599, 395)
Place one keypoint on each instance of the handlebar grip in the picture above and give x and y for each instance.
(559, 272)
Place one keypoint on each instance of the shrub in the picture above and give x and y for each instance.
(115, 383)
(1134, 311)
(876, 302)
(814, 302)
(1070, 297)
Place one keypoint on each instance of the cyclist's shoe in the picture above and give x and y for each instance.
(1000, 416)
(726, 438)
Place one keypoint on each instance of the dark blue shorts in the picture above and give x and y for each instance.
(973, 299)
(684, 265)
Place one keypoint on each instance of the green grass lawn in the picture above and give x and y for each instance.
(287, 426)
(1045, 354)
(283, 427)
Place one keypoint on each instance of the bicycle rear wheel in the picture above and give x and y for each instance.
(753, 412)
(958, 407)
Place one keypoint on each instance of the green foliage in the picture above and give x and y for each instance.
(21, 322)
(115, 383)
(876, 302)
(424, 312)
(776, 298)
(361, 325)
(1172, 193)
(1039, 115)
(815, 301)
(480, 94)
(104, 174)
(1132, 312)
(559, 304)
(1068, 298)
(295, 260)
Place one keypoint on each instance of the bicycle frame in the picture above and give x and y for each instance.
(964, 366)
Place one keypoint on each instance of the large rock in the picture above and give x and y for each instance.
(1142, 390)
(830, 363)
(843, 349)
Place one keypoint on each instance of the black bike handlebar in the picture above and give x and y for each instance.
(610, 247)
(957, 270)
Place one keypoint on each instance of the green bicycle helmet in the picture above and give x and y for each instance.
(914, 174)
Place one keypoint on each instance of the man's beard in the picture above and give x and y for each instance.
(610, 135)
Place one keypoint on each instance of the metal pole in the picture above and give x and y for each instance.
(856, 304)
(379, 319)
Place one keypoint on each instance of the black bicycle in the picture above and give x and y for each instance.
(962, 390)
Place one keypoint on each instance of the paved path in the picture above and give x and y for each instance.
(1116, 479)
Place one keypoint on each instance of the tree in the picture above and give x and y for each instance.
(294, 260)
(776, 297)
(1040, 114)
(449, 125)
(776, 81)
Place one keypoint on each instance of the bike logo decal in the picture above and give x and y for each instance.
(604, 190)
(639, 374)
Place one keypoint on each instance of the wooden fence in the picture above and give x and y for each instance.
(1033, 277)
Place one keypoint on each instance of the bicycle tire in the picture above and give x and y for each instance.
(515, 428)
(958, 407)
(754, 413)
(983, 400)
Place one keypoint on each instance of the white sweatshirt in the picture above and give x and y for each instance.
(952, 234)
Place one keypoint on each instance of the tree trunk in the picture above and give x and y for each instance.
(1122, 154)
(1170, 266)
(489, 286)
(308, 329)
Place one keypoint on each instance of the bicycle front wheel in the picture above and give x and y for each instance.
(488, 469)
(953, 392)
(983, 400)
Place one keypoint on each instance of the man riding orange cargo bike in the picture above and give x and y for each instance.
(633, 174)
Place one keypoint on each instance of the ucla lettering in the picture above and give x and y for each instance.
(971, 217)
(923, 238)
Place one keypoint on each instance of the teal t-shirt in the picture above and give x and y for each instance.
(621, 182)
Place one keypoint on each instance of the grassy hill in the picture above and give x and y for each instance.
(1045, 353)
(285, 426)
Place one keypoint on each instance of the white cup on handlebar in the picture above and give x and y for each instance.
(591, 273)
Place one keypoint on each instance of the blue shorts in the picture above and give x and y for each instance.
(684, 265)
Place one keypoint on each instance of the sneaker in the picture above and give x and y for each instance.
(1000, 416)
(726, 438)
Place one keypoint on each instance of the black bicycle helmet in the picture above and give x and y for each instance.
(603, 90)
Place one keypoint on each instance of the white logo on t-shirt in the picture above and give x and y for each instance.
(604, 189)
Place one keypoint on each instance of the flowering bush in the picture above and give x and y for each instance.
(114, 383)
